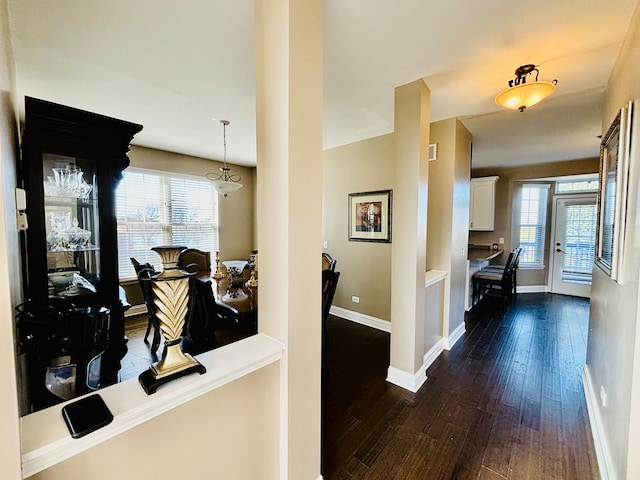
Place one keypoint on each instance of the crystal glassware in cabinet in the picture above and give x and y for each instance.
(72, 161)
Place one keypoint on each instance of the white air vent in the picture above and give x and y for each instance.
(433, 151)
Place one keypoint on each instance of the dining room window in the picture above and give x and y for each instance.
(160, 208)
(533, 224)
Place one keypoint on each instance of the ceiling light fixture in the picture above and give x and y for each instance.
(225, 183)
(521, 94)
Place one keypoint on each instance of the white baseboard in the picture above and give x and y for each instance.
(605, 463)
(384, 325)
(136, 310)
(406, 380)
(433, 353)
(450, 341)
(532, 289)
(413, 381)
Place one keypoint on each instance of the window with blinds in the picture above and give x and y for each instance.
(573, 186)
(533, 222)
(159, 208)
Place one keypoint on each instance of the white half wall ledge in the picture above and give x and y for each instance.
(47, 442)
(603, 455)
(431, 277)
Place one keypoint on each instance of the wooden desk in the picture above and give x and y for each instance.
(482, 254)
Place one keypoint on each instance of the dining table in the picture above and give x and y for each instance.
(236, 293)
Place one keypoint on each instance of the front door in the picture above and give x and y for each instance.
(573, 245)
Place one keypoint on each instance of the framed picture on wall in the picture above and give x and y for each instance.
(370, 216)
(612, 195)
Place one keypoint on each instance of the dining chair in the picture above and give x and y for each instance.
(495, 284)
(329, 284)
(144, 272)
(193, 260)
(514, 269)
(328, 263)
(205, 317)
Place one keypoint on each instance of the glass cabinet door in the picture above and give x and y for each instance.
(71, 225)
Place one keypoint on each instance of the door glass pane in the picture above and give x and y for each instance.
(580, 233)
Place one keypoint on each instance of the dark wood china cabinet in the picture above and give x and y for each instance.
(73, 317)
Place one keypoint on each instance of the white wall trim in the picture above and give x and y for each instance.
(406, 380)
(532, 289)
(413, 381)
(450, 341)
(605, 463)
(136, 310)
(369, 321)
(433, 353)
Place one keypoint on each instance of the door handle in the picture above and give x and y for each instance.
(558, 250)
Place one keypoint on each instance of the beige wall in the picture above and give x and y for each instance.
(365, 267)
(448, 218)
(506, 198)
(10, 277)
(613, 353)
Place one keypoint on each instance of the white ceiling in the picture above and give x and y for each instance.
(175, 66)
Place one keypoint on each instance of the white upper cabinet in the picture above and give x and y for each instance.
(482, 203)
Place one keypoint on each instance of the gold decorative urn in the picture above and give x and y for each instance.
(169, 292)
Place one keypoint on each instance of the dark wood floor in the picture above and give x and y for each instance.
(505, 403)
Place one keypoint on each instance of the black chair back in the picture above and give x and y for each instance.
(144, 271)
(329, 284)
(328, 262)
(193, 260)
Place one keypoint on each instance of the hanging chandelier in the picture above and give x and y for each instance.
(225, 183)
(521, 94)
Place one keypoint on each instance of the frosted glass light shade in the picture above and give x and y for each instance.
(226, 187)
(524, 95)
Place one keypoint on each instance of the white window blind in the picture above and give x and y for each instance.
(533, 222)
(158, 208)
(577, 186)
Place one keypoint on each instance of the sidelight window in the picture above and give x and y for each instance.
(533, 224)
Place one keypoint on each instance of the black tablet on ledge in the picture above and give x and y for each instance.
(86, 415)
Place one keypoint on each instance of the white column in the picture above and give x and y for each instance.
(408, 261)
(289, 193)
